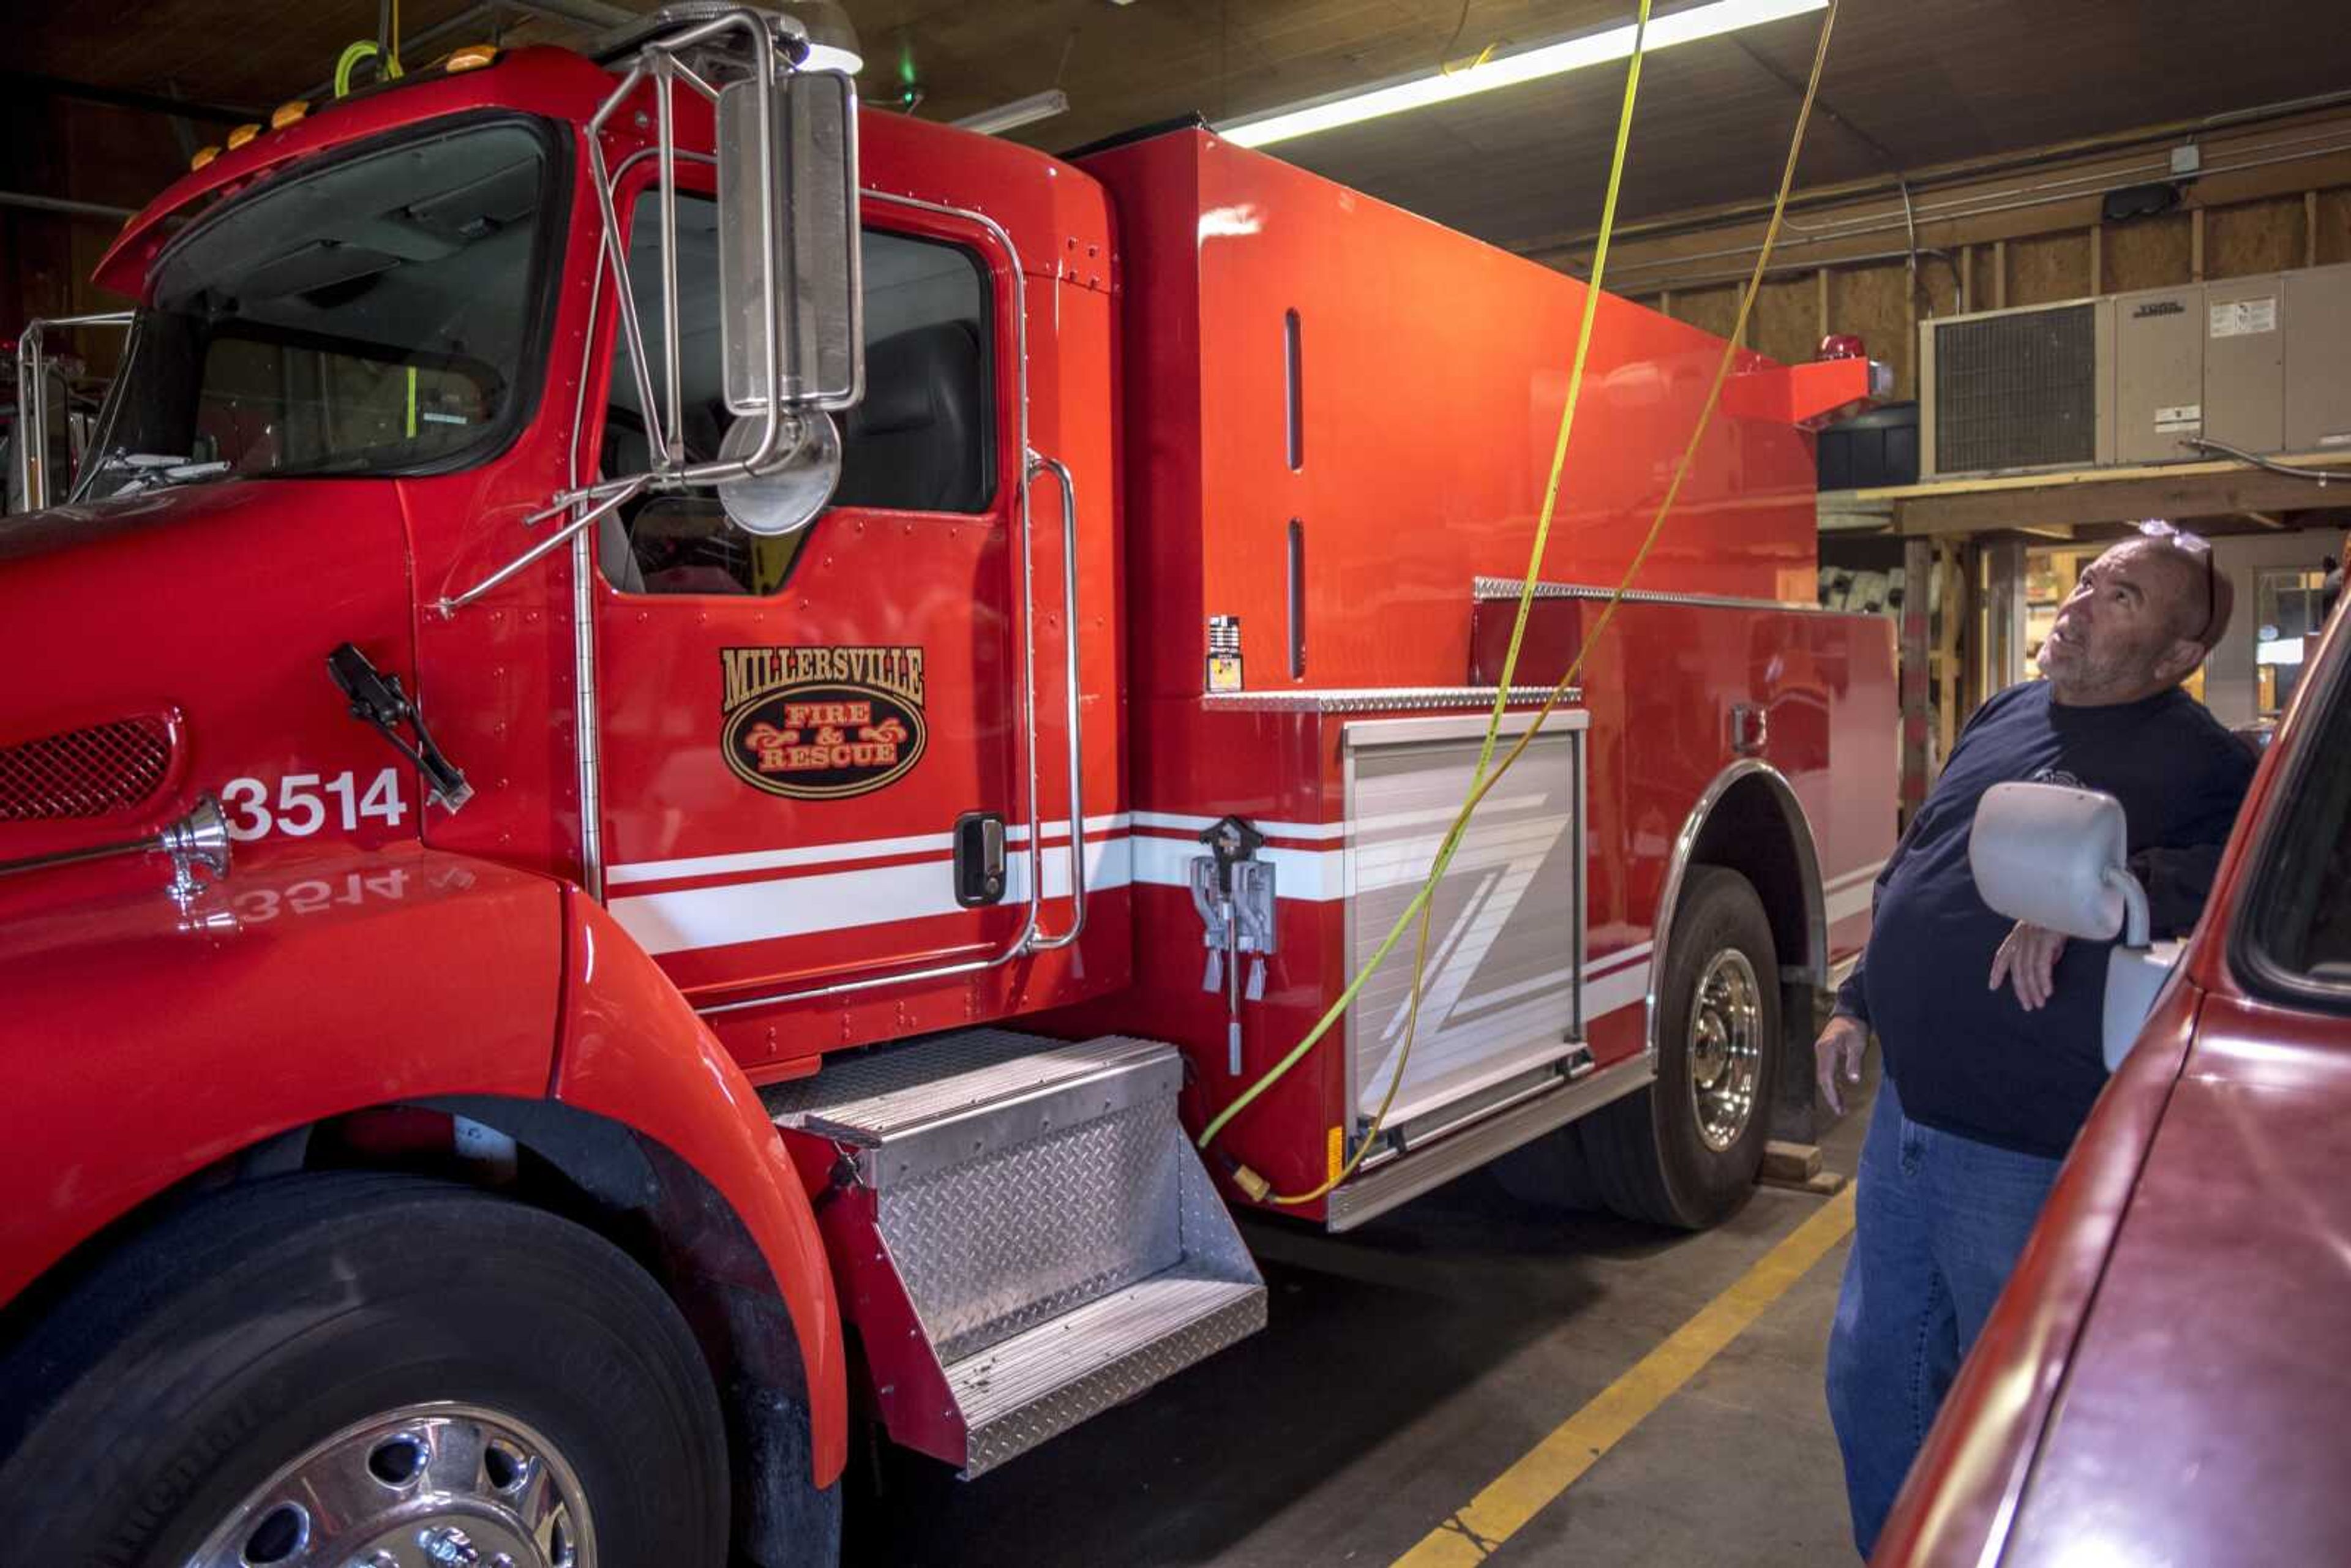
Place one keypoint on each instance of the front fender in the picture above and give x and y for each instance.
(635, 1052)
(140, 1042)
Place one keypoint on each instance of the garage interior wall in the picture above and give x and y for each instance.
(2274, 197)
(109, 157)
(2231, 687)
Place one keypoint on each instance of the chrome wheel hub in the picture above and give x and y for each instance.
(1725, 1048)
(427, 1486)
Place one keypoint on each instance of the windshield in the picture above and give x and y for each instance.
(371, 318)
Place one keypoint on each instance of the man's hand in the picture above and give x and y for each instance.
(1837, 1053)
(2027, 959)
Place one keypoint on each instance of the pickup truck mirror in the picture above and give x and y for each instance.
(2054, 856)
(790, 302)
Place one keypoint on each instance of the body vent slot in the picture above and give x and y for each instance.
(101, 771)
(2016, 391)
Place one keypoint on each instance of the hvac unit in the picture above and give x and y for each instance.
(2256, 362)
(2013, 389)
(2317, 301)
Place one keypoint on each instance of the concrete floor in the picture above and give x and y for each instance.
(1405, 1365)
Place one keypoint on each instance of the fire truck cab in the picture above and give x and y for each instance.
(679, 745)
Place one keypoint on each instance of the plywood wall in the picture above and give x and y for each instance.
(2333, 234)
(2147, 253)
(2254, 237)
(1874, 299)
(1714, 309)
(2048, 268)
(1786, 324)
(1874, 303)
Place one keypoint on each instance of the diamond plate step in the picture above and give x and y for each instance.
(1039, 1384)
(898, 1091)
(1027, 1237)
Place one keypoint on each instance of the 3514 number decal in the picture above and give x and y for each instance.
(303, 803)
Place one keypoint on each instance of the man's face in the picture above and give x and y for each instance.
(2127, 630)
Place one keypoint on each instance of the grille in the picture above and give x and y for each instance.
(100, 771)
(2018, 391)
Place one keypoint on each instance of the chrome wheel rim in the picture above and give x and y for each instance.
(1725, 1048)
(425, 1485)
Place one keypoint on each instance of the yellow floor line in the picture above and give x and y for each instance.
(1553, 1465)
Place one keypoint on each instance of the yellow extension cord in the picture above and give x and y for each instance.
(386, 54)
(1483, 781)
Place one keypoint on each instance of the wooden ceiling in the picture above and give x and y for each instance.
(1911, 83)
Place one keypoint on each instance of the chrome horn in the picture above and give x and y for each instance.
(198, 839)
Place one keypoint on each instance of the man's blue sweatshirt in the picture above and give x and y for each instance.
(1971, 1061)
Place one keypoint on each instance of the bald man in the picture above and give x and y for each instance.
(1990, 1031)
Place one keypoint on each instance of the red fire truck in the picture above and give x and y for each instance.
(677, 742)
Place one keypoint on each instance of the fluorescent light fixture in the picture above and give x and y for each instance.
(832, 36)
(1599, 48)
(833, 58)
(1020, 111)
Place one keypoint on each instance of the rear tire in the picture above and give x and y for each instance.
(368, 1340)
(1684, 1152)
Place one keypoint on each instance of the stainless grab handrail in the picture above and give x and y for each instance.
(1041, 463)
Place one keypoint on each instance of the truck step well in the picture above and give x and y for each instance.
(1027, 1238)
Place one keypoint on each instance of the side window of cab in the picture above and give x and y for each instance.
(922, 438)
(2295, 941)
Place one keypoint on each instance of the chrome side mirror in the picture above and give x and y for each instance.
(788, 297)
(790, 303)
(2054, 856)
(787, 492)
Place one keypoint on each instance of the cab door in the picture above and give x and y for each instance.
(793, 728)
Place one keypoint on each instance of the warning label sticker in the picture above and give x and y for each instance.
(2244, 318)
(1224, 652)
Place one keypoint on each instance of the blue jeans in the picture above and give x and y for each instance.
(1938, 1224)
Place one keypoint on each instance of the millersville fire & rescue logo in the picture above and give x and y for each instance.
(820, 723)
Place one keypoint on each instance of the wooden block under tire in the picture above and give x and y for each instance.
(1793, 1163)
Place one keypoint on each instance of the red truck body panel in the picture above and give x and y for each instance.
(142, 1044)
(745, 894)
(1423, 443)
(1661, 683)
(622, 1026)
(2211, 1356)
(1433, 370)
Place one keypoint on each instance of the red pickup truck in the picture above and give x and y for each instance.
(2166, 1378)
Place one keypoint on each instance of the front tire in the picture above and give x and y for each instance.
(1685, 1151)
(362, 1368)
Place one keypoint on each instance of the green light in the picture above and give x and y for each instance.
(910, 84)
